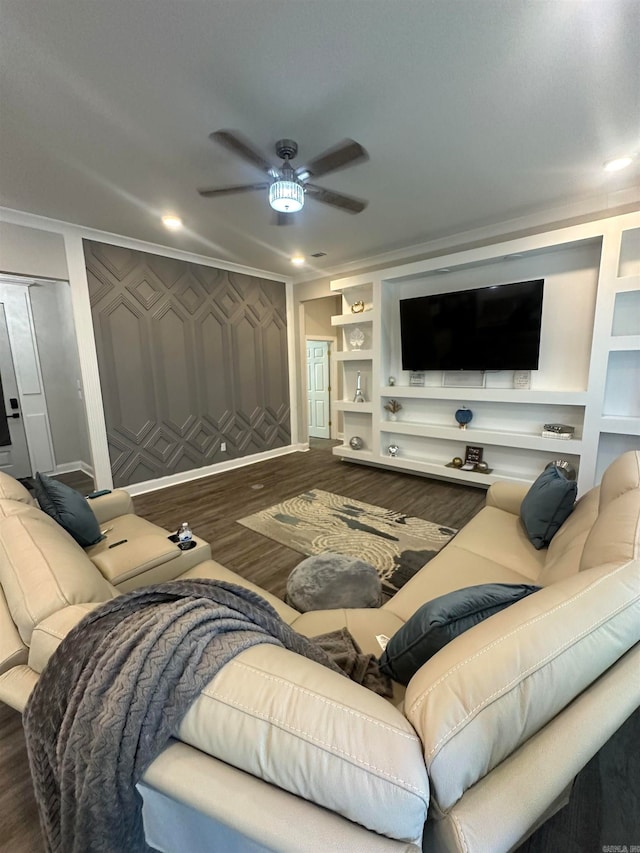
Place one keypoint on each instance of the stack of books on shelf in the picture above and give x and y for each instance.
(558, 431)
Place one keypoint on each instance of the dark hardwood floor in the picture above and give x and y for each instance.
(212, 506)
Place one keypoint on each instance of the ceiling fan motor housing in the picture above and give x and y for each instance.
(286, 149)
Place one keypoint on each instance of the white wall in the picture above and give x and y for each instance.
(32, 252)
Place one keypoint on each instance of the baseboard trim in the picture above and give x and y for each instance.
(67, 467)
(210, 470)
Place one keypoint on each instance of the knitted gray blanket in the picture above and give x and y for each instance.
(116, 690)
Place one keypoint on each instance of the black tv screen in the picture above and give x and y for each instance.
(488, 328)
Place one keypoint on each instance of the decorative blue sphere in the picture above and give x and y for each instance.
(463, 417)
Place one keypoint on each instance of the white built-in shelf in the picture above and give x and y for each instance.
(490, 395)
(350, 406)
(625, 342)
(354, 355)
(628, 282)
(438, 470)
(352, 319)
(349, 453)
(504, 438)
(621, 424)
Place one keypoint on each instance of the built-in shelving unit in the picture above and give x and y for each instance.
(588, 376)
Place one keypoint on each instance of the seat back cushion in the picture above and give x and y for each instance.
(492, 688)
(437, 622)
(12, 490)
(547, 504)
(621, 476)
(43, 570)
(565, 550)
(615, 535)
(69, 508)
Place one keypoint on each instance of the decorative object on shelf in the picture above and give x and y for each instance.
(472, 461)
(522, 379)
(357, 307)
(567, 467)
(392, 381)
(558, 431)
(416, 379)
(463, 416)
(393, 407)
(392, 450)
(356, 338)
(359, 396)
(473, 454)
(463, 378)
(356, 443)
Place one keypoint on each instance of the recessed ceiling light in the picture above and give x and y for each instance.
(297, 260)
(618, 163)
(443, 269)
(173, 223)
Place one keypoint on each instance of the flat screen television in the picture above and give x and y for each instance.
(488, 328)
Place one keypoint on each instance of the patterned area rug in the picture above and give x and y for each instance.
(316, 521)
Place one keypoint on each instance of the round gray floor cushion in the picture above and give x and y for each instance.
(329, 581)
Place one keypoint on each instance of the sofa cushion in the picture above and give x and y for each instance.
(43, 570)
(615, 536)
(437, 622)
(547, 504)
(12, 490)
(69, 508)
(488, 691)
(566, 547)
(623, 475)
(456, 567)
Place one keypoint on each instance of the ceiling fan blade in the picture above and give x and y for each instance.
(344, 202)
(242, 147)
(345, 153)
(241, 188)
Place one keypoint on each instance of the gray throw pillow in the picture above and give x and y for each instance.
(69, 508)
(439, 621)
(547, 504)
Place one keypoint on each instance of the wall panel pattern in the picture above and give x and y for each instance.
(189, 357)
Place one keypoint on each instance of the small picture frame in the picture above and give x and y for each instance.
(416, 379)
(522, 379)
(472, 455)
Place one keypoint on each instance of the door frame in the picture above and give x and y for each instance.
(333, 384)
(29, 382)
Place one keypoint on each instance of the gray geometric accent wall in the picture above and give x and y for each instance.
(189, 357)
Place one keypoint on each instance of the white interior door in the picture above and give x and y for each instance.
(318, 389)
(14, 454)
(20, 342)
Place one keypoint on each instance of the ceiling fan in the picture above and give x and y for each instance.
(288, 186)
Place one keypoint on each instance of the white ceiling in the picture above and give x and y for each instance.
(473, 112)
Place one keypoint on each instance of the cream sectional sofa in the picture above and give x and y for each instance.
(279, 753)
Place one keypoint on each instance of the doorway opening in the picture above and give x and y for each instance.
(321, 375)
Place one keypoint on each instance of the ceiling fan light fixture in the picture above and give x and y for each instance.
(286, 196)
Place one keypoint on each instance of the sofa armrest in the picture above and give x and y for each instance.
(316, 734)
(121, 562)
(507, 496)
(111, 505)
